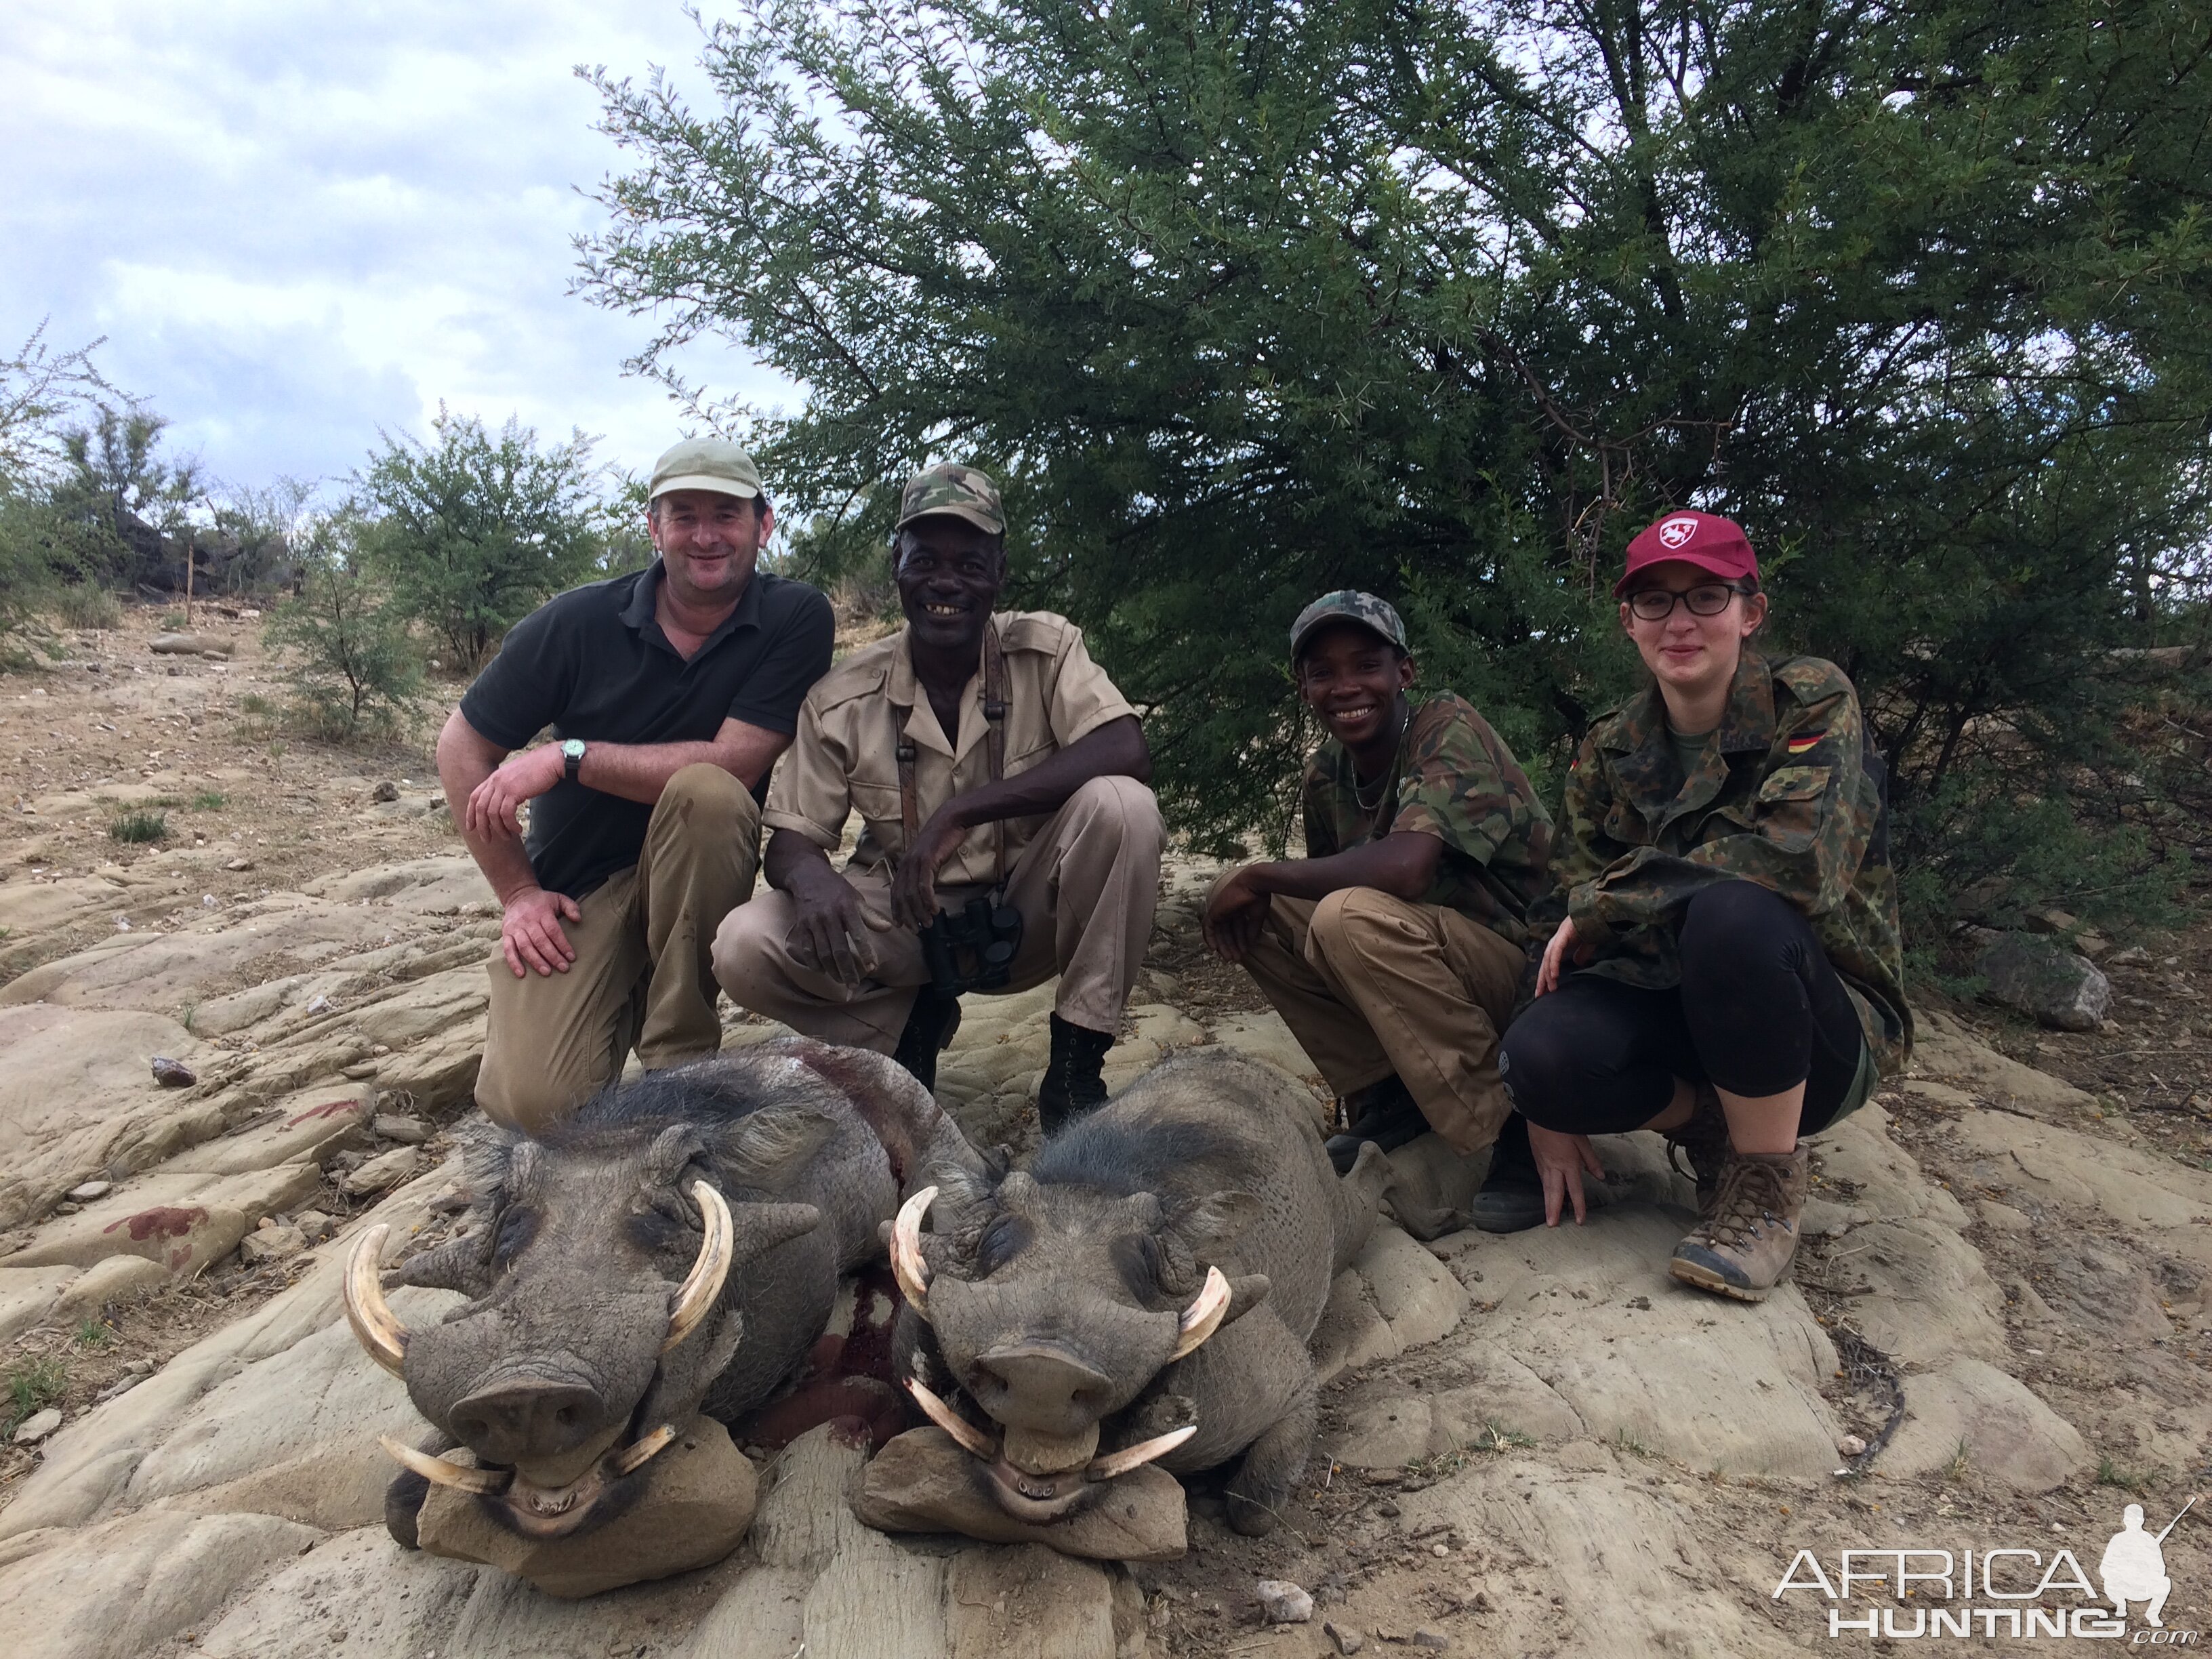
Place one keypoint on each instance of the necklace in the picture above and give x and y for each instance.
(1383, 784)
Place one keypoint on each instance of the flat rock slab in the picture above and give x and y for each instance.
(182, 1221)
(1973, 1412)
(1945, 1050)
(1640, 1360)
(923, 1482)
(697, 1503)
(27, 1294)
(304, 1127)
(77, 1100)
(1395, 1296)
(117, 1590)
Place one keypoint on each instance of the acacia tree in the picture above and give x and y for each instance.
(471, 530)
(1250, 299)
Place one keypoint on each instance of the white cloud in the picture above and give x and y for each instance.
(297, 222)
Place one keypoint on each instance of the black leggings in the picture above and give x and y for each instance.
(1759, 1010)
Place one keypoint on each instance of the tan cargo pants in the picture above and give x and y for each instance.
(1085, 884)
(641, 974)
(1370, 984)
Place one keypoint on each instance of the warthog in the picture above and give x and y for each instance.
(598, 1257)
(1146, 1287)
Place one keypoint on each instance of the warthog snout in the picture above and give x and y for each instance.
(1041, 1385)
(519, 1422)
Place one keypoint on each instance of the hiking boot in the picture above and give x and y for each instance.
(1383, 1112)
(1746, 1246)
(927, 1033)
(1511, 1197)
(1074, 1077)
(1704, 1140)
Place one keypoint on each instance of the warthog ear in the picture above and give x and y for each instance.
(765, 1148)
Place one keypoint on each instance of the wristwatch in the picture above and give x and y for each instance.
(572, 757)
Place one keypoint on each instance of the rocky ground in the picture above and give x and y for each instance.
(1532, 1445)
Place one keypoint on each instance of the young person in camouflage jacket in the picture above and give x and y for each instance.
(1395, 949)
(1729, 971)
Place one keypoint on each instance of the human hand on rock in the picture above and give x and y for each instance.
(1561, 1160)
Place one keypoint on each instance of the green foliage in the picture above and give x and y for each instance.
(136, 828)
(85, 605)
(1246, 300)
(94, 1333)
(32, 1385)
(354, 672)
(41, 390)
(122, 506)
(209, 800)
(471, 532)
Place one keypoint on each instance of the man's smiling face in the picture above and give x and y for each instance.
(708, 543)
(1351, 675)
(949, 576)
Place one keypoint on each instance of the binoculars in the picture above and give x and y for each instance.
(973, 948)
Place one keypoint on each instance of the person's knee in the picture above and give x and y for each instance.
(1355, 918)
(703, 796)
(531, 1093)
(747, 946)
(1538, 1063)
(1119, 806)
(1734, 929)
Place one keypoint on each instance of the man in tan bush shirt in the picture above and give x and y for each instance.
(1067, 833)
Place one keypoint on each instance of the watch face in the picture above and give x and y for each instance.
(574, 748)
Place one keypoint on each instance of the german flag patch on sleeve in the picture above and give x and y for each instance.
(1805, 740)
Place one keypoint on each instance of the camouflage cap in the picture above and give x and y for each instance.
(960, 491)
(1349, 604)
(712, 464)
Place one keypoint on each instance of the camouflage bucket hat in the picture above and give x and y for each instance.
(1349, 604)
(961, 491)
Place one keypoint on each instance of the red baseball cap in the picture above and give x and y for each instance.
(1703, 539)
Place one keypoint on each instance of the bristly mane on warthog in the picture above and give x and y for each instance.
(599, 1258)
(1147, 1286)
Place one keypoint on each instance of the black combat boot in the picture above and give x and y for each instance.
(1511, 1196)
(928, 1033)
(1074, 1080)
(1383, 1112)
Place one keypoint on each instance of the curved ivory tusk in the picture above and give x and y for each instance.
(442, 1473)
(1136, 1456)
(702, 1288)
(1203, 1317)
(375, 1326)
(952, 1422)
(642, 1451)
(908, 1266)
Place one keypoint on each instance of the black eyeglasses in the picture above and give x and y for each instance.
(1707, 599)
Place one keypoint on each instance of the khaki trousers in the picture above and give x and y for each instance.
(1085, 886)
(641, 974)
(1370, 985)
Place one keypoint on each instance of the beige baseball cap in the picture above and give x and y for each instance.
(705, 464)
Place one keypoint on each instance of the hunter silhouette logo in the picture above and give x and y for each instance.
(1675, 532)
(2133, 1568)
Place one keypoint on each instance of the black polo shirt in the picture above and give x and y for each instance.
(593, 663)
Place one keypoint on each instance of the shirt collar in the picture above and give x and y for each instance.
(645, 593)
(1748, 723)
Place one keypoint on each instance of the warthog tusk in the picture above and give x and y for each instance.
(642, 1451)
(906, 1264)
(952, 1422)
(1136, 1456)
(440, 1472)
(703, 1286)
(1203, 1317)
(375, 1326)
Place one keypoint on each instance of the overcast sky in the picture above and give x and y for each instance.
(298, 222)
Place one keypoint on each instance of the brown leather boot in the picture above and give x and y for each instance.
(1746, 1246)
(1704, 1140)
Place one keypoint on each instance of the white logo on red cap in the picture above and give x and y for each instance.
(1675, 532)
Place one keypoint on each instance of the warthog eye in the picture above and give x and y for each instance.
(1004, 1239)
(1138, 1258)
(517, 1227)
(658, 1234)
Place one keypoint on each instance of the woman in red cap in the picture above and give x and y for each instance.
(1729, 971)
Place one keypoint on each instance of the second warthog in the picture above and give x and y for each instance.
(675, 1248)
(1143, 1292)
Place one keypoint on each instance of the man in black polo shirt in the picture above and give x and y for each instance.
(669, 694)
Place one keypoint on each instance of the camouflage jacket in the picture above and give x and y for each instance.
(1456, 780)
(1787, 794)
